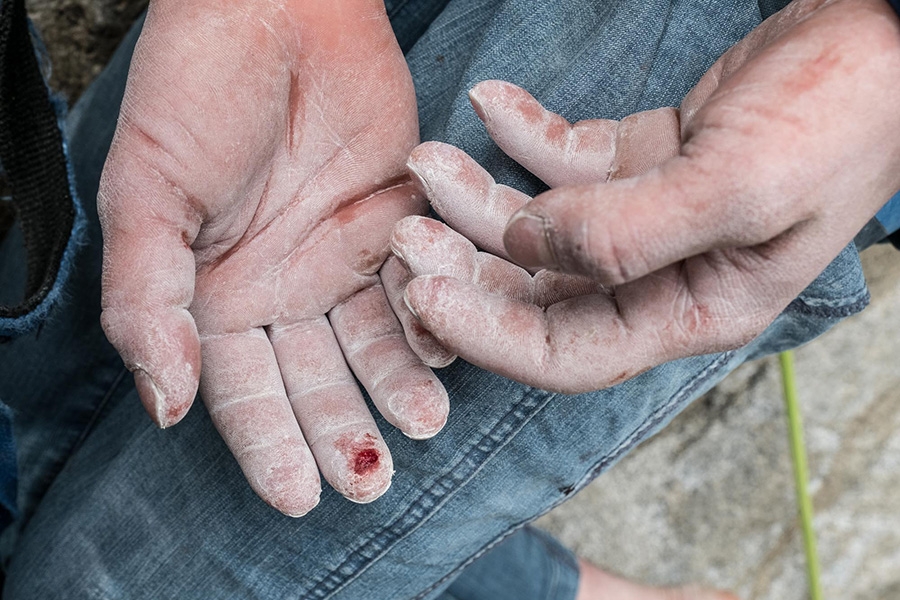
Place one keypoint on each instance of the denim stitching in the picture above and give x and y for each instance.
(658, 415)
(98, 410)
(429, 500)
(831, 309)
(652, 61)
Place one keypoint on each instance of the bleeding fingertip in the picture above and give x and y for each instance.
(527, 239)
(368, 471)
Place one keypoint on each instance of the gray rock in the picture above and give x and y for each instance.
(711, 499)
(80, 36)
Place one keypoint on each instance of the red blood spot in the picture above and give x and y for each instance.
(366, 461)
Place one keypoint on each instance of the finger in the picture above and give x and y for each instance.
(569, 348)
(465, 195)
(623, 230)
(710, 303)
(148, 283)
(242, 388)
(394, 277)
(404, 390)
(556, 151)
(564, 154)
(340, 257)
(645, 140)
(332, 413)
(429, 247)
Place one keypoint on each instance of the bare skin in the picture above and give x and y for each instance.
(671, 233)
(247, 202)
(594, 584)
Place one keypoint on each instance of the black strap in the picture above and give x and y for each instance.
(31, 154)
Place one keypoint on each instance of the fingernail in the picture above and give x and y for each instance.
(408, 303)
(415, 172)
(151, 397)
(527, 239)
(476, 99)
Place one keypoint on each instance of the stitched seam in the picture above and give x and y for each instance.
(826, 309)
(658, 415)
(430, 500)
(97, 412)
(652, 61)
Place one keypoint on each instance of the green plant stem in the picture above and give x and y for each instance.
(801, 473)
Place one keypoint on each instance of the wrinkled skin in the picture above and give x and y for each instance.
(673, 232)
(246, 205)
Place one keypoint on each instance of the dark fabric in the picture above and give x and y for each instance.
(873, 233)
(896, 5)
(32, 155)
(894, 238)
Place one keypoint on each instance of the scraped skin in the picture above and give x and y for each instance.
(247, 205)
(702, 223)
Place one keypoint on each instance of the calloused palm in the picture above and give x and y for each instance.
(247, 204)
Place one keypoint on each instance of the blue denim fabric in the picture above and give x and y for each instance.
(112, 507)
(529, 564)
(889, 215)
(12, 292)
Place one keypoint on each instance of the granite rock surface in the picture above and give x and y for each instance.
(80, 36)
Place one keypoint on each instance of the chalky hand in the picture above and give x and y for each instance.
(247, 204)
(673, 232)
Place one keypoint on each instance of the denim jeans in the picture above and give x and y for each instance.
(112, 507)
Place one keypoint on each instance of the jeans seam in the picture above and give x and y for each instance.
(436, 495)
(561, 563)
(400, 6)
(101, 406)
(652, 61)
(655, 418)
(823, 307)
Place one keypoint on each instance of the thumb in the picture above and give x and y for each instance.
(148, 283)
(622, 230)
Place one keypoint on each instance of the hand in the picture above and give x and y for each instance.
(703, 222)
(247, 204)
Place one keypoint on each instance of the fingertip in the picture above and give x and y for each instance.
(442, 169)
(419, 408)
(415, 294)
(367, 470)
(401, 235)
(476, 99)
(165, 409)
(426, 246)
(431, 299)
(292, 490)
(485, 94)
(527, 241)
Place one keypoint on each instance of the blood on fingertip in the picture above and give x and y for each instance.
(362, 456)
(366, 461)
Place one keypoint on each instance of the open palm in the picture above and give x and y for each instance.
(247, 203)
